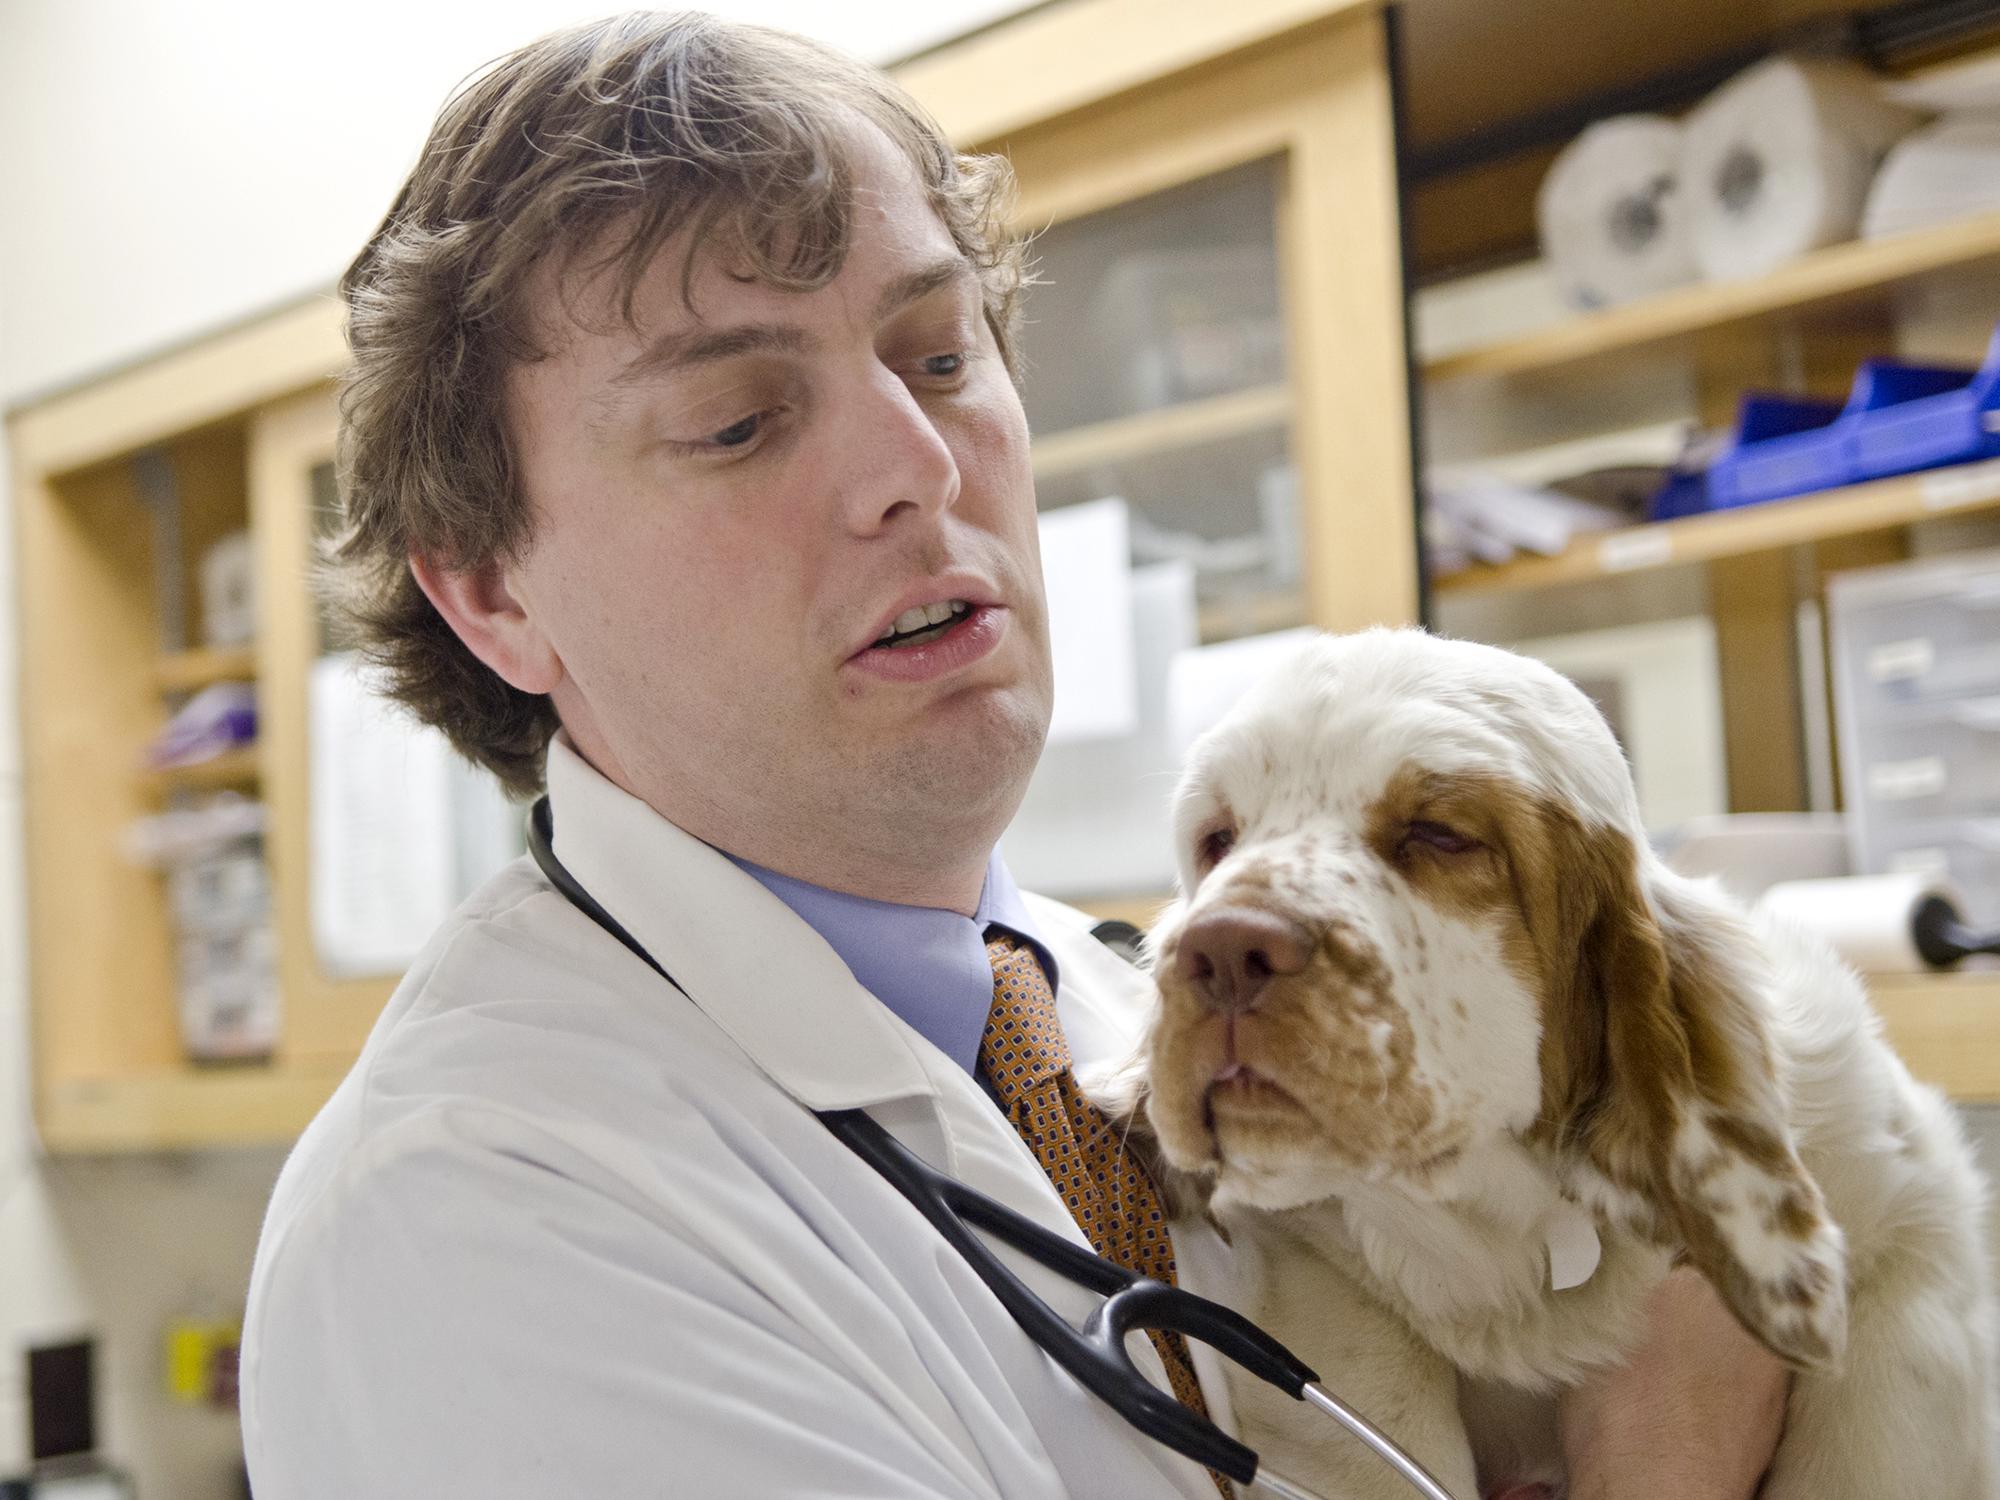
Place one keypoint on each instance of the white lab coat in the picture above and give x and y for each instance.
(566, 1232)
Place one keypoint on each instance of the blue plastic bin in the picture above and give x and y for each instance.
(1898, 418)
(1918, 418)
(1783, 446)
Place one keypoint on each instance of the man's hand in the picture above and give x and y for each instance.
(1694, 1415)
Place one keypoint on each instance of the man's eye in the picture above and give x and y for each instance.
(944, 366)
(736, 434)
(1441, 837)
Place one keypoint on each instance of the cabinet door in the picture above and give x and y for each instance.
(1217, 335)
(1157, 372)
(291, 467)
(377, 829)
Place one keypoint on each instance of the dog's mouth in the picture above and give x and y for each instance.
(1242, 1105)
(1238, 1086)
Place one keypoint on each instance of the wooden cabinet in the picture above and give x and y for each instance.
(1109, 109)
(1247, 152)
(1252, 144)
(235, 424)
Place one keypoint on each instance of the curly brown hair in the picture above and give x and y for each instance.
(606, 141)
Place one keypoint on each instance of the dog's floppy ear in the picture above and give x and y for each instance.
(1657, 1068)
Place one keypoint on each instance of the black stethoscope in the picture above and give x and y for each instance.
(1094, 1355)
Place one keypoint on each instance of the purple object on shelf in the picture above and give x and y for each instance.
(220, 717)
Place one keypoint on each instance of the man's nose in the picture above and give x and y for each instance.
(903, 462)
(1230, 954)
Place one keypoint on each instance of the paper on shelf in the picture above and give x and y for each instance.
(1778, 161)
(1947, 171)
(1970, 84)
(1472, 515)
(1087, 572)
(1097, 815)
(382, 863)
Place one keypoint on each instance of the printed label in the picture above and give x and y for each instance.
(1901, 780)
(1634, 549)
(1930, 860)
(1948, 489)
(1899, 661)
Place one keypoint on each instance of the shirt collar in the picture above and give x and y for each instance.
(927, 964)
(760, 974)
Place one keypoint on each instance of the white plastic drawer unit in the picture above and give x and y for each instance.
(1916, 676)
(1922, 649)
(1942, 757)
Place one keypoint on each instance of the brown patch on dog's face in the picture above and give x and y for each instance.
(1337, 1068)
(1336, 1071)
(1656, 1070)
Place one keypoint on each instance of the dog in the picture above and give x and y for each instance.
(1460, 1070)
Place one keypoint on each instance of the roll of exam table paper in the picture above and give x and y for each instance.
(1883, 924)
(1611, 220)
(1778, 161)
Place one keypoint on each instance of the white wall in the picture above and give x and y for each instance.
(172, 168)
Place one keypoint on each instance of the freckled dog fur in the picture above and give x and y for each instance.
(1513, 1015)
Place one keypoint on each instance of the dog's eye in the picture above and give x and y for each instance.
(1213, 846)
(1439, 836)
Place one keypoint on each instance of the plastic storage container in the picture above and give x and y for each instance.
(1917, 704)
(1899, 418)
(1782, 447)
(1964, 852)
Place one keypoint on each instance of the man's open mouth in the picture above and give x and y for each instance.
(924, 623)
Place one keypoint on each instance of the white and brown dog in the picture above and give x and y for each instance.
(1462, 1069)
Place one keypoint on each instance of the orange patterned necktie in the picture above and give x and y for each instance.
(1026, 1058)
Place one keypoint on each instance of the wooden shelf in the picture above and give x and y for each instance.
(1946, 1028)
(232, 768)
(1877, 506)
(188, 671)
(1862, 270)
(1170, 429)
(217, 1105)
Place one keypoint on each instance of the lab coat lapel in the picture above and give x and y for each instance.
(770, 982)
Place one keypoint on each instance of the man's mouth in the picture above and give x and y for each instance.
(924, 623)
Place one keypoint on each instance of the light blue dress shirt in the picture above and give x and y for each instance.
(926, 964)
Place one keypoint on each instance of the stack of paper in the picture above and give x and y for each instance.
(1472, 517)
(1946, 171)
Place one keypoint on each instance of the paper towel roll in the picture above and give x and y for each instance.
(1778, 161)
(1869, 919)
(1612, 221)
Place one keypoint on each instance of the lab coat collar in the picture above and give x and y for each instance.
(774, 986)
(752, 966)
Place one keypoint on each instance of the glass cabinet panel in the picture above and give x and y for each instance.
(1154, 351)
(402, 827)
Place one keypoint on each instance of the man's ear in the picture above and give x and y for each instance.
(482, 610)
(1657, 1068)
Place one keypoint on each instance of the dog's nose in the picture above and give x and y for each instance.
(1230, 954)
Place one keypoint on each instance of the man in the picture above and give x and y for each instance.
(681, 448)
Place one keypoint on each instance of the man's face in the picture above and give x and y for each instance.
(737, 500)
